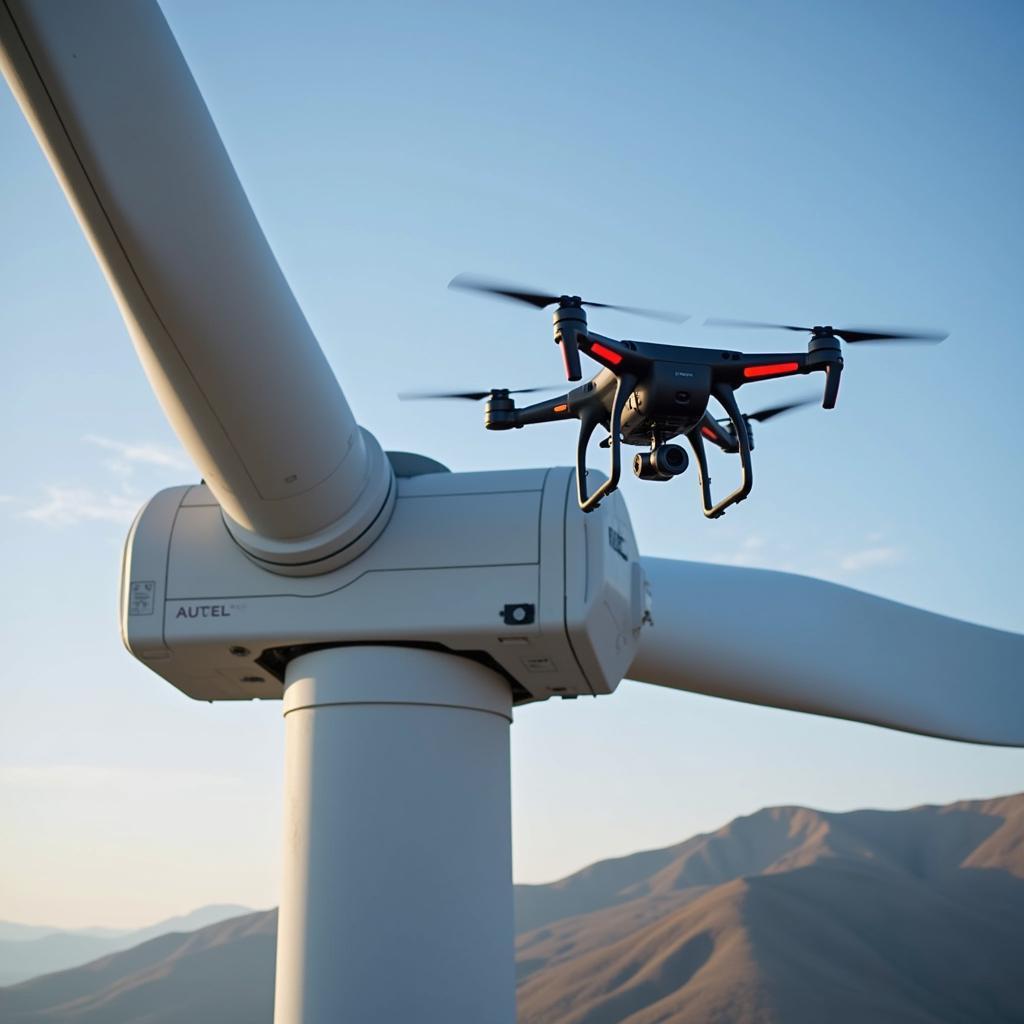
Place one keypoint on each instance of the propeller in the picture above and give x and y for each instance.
(786, 641)
(848, 334)
(777, 410)
(472, 283)
(766, 414)
(472, 396)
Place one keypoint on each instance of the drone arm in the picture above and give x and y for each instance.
(591, 415)
(767, 366)
(806, 645)
(545, 412)
(713, 431)
(614, 355)
(764, 366)
(724, 393)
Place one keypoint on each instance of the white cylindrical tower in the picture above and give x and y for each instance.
(396, 903)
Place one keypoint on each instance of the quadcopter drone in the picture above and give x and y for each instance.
(645, 394)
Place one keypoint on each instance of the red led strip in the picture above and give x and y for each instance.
(770, 369)
(709, 433)
(605, 353)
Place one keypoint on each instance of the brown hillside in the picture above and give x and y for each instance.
(840, 941)
(786, 916)
(222, 973)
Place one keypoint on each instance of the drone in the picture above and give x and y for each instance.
(646, 394)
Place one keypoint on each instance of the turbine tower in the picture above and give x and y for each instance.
(398, 610)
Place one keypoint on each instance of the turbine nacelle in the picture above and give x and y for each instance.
(526, 584)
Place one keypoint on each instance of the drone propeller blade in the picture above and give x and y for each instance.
(472, 396)
(470, 282)
(724, 322)
(777, 410)
(851, 335)
(890, 334)
(419, 396)
(806, 645)
(650, 314)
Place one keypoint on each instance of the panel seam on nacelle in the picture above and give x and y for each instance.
(167, 570)
(540, 537)
(356, 579)
(565, 585)
(464, 494)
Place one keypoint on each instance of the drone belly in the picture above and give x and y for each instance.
(670, 400)
(473, 563)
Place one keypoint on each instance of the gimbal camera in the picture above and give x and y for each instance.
(646, 394)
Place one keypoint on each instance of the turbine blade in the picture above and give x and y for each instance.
(212, 317)
(787, 641)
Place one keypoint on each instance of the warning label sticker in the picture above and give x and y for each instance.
(141, 597)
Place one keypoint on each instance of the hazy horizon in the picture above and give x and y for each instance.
(242, 909)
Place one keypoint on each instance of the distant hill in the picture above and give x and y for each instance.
(15, 932)
(11, 931)
(795, 916)
(223, 973)
(926, 841)
(29, 950)
(789, 915)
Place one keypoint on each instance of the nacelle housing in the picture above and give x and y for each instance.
(497, 566)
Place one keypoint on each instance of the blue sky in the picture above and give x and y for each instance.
(802, 162)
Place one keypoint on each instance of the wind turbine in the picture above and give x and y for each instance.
(397, 609)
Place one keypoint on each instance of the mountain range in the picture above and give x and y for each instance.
(787, 915)
(30, 950)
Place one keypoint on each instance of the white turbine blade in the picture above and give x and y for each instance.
(788, 641)
(222, 339)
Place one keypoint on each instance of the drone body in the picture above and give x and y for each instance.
(647, 394)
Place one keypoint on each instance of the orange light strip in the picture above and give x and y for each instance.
(770, 369)
(709, 433)
(605, 353)
(560, 408)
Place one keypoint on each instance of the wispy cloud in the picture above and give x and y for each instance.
(68, 506)
(871, 558)
(144, 454)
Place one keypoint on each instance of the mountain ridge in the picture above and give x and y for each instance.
(58, 949)
(788, 914)
(795, 835)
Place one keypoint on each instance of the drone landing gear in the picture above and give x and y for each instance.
(724, 394)
(590, 419)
